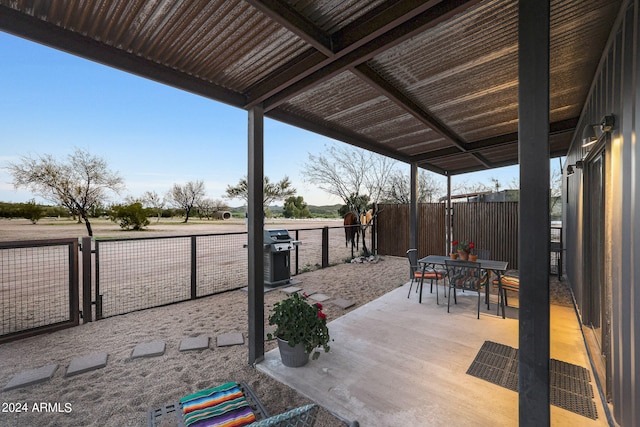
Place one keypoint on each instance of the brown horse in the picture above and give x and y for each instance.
(351, 230)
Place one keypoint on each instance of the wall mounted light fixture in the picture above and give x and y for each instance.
(589, 136)
(579, 164)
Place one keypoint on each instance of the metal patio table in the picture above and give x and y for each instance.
(498, 267)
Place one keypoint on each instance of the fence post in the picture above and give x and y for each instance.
(325, 247)
(86, 280)
(374, 226)
(298, 239)
(194, 268)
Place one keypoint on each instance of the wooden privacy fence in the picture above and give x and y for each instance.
(492, 226)
(393, 229)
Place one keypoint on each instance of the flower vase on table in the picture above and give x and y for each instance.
(463, 248)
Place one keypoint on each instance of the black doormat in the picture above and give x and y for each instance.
(570, 386)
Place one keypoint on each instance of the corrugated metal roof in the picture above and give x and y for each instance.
(433, 82)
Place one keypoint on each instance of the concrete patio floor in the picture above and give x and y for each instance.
(395, 362)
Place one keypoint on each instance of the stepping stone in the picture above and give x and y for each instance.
(229, 339)
(86, 363)
(149, 349)
(309, 292)
(291, 289)
(343, 303)
(319, 297)
(194, 343)
(33, 376)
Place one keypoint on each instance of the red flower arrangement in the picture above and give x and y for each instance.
(465, 246)
(297, 322)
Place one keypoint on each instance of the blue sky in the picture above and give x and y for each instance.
(151, 134)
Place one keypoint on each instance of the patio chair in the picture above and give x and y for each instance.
(231, 403)
(506, 283)
(465, 275)
(483, 253)
(417, 274)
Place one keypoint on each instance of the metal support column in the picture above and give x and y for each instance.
(86, 280)
(255, 230)
(533, 146)
(413, 211)
(449, 217)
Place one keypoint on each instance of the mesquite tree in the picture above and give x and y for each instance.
(80, 183)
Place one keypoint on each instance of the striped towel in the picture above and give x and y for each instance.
(222, 406)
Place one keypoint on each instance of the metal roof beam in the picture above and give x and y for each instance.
(337, 134)
(555, 128)
(364, 72)
(300, 25)
(278, 88)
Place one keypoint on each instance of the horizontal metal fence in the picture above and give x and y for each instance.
(221, 263)
(38, 287)
(136, 274)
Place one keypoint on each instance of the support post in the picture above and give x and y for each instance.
(413, 211)
(449, 218)
(86, 280)
(533, 151)
(325, 247)
(194, 269)
(255, 230)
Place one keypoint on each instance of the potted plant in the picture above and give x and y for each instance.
(464, 248)
(300, 329)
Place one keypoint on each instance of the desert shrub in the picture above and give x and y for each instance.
(129, 217)
(31, 211)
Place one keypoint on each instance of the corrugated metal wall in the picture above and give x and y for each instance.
(615, 90)
(491, 226)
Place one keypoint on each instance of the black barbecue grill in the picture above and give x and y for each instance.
(277, 256)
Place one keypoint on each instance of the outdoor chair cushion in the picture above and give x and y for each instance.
(509, 283)
(429, 274)
(222, 406)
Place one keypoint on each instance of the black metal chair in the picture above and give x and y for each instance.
(418, 274)
(483, 253)
(465, 275)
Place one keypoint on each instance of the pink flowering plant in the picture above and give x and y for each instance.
(297, 322)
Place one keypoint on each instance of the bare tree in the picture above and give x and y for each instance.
(349, 172)
(398, 189)
(272, 191)
(154, 201)
(80, 184)
(186, 196)
(208, 207)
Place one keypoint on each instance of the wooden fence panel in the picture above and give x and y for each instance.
(393, 229)
(492, 226)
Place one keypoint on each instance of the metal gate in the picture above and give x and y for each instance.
(39, 290)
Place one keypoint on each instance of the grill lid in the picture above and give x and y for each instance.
(275, 236)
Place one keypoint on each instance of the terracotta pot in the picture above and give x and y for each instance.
(453, 255)
(473, 258)
(464, 256)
